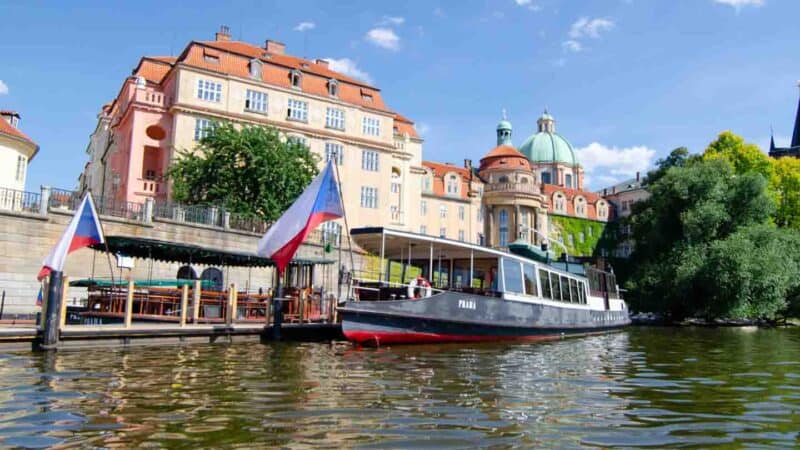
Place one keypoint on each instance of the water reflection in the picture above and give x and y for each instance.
(639, 388)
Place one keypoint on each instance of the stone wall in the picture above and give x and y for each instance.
(27, 238)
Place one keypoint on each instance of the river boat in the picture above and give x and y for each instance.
(433, 290)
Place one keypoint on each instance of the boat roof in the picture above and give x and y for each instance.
(191, 254)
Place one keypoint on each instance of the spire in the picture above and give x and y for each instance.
(771, 141)
(504, 130)
(796, 133)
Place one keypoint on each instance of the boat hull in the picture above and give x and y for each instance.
(456, 317)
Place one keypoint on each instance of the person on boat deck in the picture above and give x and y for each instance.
(492, 279)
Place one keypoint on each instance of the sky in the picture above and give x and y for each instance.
(626, 80)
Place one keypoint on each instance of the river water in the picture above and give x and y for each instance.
(639, 388)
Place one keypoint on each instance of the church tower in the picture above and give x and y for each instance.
(504, 132)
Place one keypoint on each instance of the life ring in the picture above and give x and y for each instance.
(421, 283)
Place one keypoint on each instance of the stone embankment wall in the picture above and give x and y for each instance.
(27, 237)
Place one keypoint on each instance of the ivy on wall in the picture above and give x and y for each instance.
(595, 235)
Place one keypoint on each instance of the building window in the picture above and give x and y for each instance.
(426, 183)
(22, 161)
(581, 237)
(332, 232)
(255, 68)
(334, 118)
(423, 229)
(298, 110)
(558, 203)
(461, 235)
(210, 91)
(479, 239)
(369, 160)
(443, 211)
(369, 197)
(568, 180)
(333, 88)
(371, 126)
(334, 152)
(202, 127)
(480, 214)
(255, 101)
(395, 187)
(298, 140)
(461, 213)
(296, 78)
(570, 240)
(452, 185)
(443, 232)
(503, 222)
(590, 230)
(423, 208)
(546, 179)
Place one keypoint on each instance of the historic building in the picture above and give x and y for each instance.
(536, 194)
(622, 197)
(168, 104)
(16, 152)
(794, 147)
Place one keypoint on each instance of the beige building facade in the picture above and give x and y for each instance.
(16, 152)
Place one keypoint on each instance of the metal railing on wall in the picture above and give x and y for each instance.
(20, 201)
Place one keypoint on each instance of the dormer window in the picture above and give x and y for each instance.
(255, 68)
(366, 96)
(452, 185)
(210, 57)
(333, 88)
(296, 78)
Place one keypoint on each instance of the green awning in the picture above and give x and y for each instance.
(106, 282)
(191, 254)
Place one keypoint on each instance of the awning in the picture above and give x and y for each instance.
(191, 254)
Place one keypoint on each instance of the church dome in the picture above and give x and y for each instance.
(547, 146)
(504, 157)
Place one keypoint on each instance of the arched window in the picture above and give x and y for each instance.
(214, 277)
(395, 180)
(580, 207)
(568, 180)
(333, 88)
(296, 78)
(602, 210)
(502, 179)
(503, 222)
(186, 273)
(559, 203)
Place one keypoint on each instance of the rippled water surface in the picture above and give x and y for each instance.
(643, 387)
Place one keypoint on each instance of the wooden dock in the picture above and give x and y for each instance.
(90, 336)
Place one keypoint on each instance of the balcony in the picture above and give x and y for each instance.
(395, 215)
(152, 187)
(520, 188)
(150, 98)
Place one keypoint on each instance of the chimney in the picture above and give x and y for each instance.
(468, 164)
(224, 34)
(274, 47)
(323, 63)
(12, 117)
(637, 176)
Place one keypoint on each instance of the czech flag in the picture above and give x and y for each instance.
(319, 203)
(83, 231)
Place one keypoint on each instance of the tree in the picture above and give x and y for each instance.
(249, 170)
(676, 158)
(741, 156)
(785, 183)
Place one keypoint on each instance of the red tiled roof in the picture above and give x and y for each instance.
(570, 194)
(6, 128)
(403, 125)
(440, 170)
(506, 157)
(154, 68)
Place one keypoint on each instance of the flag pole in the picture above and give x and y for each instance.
(277, 306)
(105, 243)
(347, 229)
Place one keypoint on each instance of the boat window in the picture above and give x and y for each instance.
(529, 272)
(611, 285)
(545, 280)
(441, 273)
(512, 274)
(582, 292)
(565, 289)
(573, 289)
(555, 286)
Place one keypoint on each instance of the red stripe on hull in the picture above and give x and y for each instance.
(411, 337)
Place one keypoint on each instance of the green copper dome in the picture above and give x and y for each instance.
(547, 146)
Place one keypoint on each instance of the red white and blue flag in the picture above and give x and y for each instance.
(83, 231)
(319, 203)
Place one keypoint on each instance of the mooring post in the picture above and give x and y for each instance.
(129, 305)
(51, 313)
(230, 314)
(277, 310)
(184, 303)
(62, 319)
(196, 293)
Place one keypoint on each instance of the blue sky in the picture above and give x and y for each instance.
(627, 80)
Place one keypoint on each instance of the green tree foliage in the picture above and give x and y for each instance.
(676, 158)
(785, 183)
(705, 246)
(248, 170)
(743, 157)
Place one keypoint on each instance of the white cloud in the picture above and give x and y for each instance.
(528, 4)
(585, 27)
(392, 20)
(383, 37)
(739, 4)
(305, 26)
(347, 66)
(572, 46)
(3, 88)
(607, 165)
